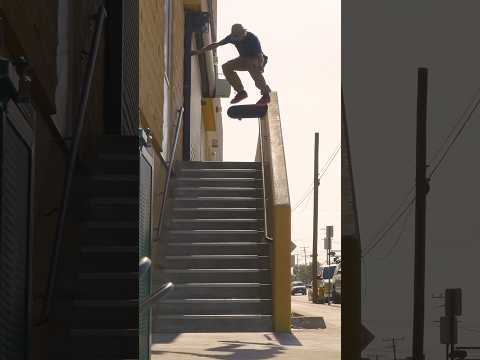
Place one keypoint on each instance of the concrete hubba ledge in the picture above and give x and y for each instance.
(271, 153)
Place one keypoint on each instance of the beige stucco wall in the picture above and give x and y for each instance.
(151, 66)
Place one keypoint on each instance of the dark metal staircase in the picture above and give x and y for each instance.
(105, 311)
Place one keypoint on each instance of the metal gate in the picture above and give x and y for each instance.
(16, 142)
(145, 233)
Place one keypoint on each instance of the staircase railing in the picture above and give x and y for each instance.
(143, 267)
(171, 163)
(72, 161)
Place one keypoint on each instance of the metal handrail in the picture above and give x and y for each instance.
(85, 92)
(150, 300)
(169, 173)
(262, 155)
(144, 265)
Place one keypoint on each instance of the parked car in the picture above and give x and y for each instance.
(298, 287)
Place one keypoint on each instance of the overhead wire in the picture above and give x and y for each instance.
(386, 228)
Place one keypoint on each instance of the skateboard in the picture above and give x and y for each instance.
(247, 111)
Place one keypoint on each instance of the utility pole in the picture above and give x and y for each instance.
(420, 218)
(394, 345)
(304, 248)
(315, 223)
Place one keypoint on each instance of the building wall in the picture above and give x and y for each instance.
(151, 66)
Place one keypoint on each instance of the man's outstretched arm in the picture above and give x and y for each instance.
(207, 48)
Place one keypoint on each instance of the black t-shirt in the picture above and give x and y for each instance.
(247, 47)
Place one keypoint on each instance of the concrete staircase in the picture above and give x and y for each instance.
(216, 254)
(105, 307)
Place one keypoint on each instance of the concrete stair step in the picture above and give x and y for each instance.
(219, 182)
(211, 323)
(218, 262)
(213, 306)
(96, 314)
(215, 235)
(105, 343)
(216, 213)
(112, 209)
(216, 224)
(109, 258)
(179, 276)
(219, 173)
(218, 202)
(221, 291)
(120, 288)
(218, 248)
(206, 191)
(115, 185)
(218, 165)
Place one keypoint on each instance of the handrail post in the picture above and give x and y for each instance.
(85, 92)
(262, 160)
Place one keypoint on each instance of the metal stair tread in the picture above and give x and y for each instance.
(114, 200)
(109, 249)
(104, 156)
(110, 224)
(104, 332)
(107, 276)
(105, 303)
(119, 177)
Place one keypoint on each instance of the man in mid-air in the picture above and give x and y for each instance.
(251, 59)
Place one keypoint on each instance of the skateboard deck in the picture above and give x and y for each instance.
(247, 111)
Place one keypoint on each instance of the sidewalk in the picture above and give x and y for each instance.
(300, 344)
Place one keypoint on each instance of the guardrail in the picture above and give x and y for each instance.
(271, 153)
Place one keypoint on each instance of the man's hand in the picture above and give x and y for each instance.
(196, 52)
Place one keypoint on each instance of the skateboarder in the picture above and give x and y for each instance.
(251, 59)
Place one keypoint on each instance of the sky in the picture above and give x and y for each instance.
(383, 44)
(304, 68)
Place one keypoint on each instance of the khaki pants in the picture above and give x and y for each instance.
(254, 65)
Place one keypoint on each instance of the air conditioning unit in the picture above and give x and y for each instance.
(223, 89)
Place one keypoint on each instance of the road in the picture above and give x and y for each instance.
(332, 314)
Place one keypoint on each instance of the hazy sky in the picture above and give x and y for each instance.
(304, 49)
(384, 42)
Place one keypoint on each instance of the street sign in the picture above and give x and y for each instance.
(330, 231)
(366, 337)
(327, 243)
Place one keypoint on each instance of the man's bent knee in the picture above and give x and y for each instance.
(227, 67)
